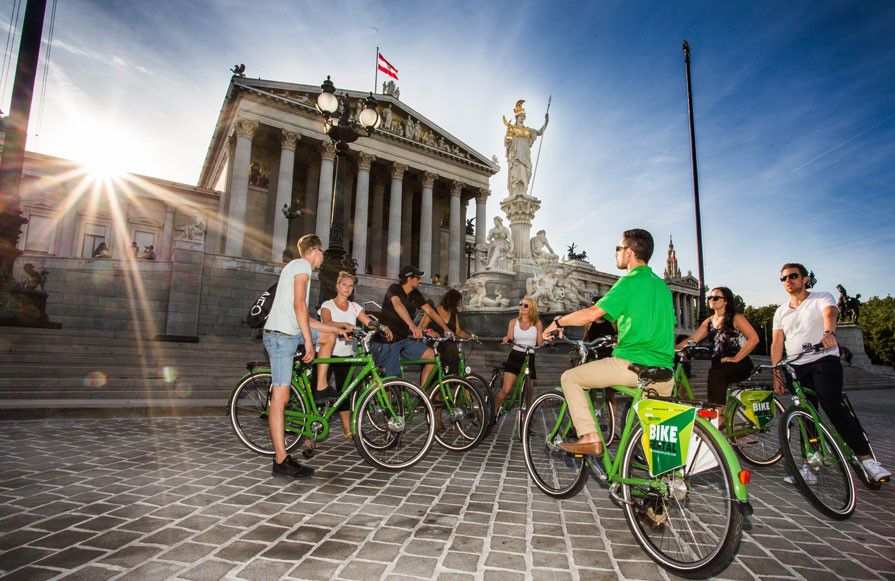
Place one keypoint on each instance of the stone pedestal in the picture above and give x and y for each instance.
(187, 268)
(521, 211)
(851, 337)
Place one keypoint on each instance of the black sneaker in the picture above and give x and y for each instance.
(328, 395)
(289, 467)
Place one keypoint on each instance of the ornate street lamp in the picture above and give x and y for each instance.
(343, 128)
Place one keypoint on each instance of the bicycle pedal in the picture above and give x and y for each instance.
(308, 453)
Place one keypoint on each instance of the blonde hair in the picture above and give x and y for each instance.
(343, 275)
(307, 243)
(532, 310)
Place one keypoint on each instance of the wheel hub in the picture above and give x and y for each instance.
(396, 424)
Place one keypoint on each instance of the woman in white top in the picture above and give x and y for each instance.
(343, 312)
(526, 329)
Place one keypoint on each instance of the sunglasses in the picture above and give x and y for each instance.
(524, 305)
(620, 248)
(790, 276)
(713, 299)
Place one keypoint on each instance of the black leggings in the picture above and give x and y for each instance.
(825, 377)
(721, 375)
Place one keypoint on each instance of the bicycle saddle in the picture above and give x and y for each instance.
(655, 374)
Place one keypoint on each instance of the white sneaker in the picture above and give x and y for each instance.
(807, 474)
(875, 471)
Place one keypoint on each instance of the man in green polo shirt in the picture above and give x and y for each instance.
(640, 305)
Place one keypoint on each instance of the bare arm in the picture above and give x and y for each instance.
(509, 337)
(830, 315)
(698, 335)
(776, 356)
(299, 292)
(433, 314)
(540, 328)
(576, 319)
(405, 316)
(743, 326)
(460, 332)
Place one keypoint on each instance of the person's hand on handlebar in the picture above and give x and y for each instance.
(779, 383)
(505, 340)
(550, 331)
(829, 341)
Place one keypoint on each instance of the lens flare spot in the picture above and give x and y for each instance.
(169, 374)
(95, 380)
(183, 391)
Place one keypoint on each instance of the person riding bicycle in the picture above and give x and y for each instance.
(449, 310)
(810, 317)
(525, 330)
(641, 304)
(342, 311)
(288, 326)
(399, 307)
(730, 359)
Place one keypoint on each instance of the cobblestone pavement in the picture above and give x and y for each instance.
(138, 498)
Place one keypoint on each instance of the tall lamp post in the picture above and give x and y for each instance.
(701, 300)
(342, 128)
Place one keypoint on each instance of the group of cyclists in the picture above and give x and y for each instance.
(639, 307)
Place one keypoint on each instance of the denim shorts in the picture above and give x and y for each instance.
(281, 350)
(389, 355)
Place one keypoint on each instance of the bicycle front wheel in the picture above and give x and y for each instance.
(547, 425)
(459, 414)
(523, 406)
(605, 413)
(249, 409)
(757, 446)
(692, 528)
(817, 464)
(395, 425)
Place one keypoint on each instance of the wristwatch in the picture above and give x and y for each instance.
(556, 321)
(833, 333)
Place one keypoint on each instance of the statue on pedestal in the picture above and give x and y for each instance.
(500, 247)
(518, 142)
(541, 251)
(849, 307)
(475, 295)
(35, 278)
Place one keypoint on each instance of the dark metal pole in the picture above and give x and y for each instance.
(701, 299)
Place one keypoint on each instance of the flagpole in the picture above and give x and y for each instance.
(376, 71)
(538, 160)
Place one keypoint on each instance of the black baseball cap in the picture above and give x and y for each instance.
(409, 270)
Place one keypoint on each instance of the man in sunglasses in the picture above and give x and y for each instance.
(399, 308)
(810, 317)
(641, 305)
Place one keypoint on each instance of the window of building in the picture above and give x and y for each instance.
(94, 235)
(144, 239)
(40, 234)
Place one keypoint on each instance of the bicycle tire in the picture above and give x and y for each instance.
(523, 406)
(478, 382)
(714, 560)
(257, 438)
(468, 404)
(405, 409)
(555, 472)
(769, 434)
(846, 507)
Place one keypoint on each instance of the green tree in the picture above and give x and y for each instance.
(762, 318)
(878, 322)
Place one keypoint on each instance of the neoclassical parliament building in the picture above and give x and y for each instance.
(407, 191)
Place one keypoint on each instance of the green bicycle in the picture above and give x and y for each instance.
(814, 446)
(392, 420)
(749, 413)
(459, 407)
(677, 479)
(520, 395)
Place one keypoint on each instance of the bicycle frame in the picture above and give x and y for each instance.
(612, 465)
(801, 399)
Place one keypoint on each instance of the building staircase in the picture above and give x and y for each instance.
(67, 372)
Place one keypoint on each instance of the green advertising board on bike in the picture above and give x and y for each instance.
(667, 428)
(758, 406)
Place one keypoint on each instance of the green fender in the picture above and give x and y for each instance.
(730, 458)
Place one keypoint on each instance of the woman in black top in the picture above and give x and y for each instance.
(448, 310)
(730, 360)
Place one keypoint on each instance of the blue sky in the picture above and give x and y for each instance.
(795, 110)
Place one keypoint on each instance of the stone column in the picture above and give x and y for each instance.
(376, 228)
(184, 295)
(481, 226)
(167, 250)
(239, 189)
(284, 195)
(394, 221)
(309, 212)
(325, 192)
(361, 205)
(456, 238)
(426, 226)
(688, 311)
(407, 228)
(437, 266)
(217, 228)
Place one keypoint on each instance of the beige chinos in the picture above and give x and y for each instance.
(599, 374)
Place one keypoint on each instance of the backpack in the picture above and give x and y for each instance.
(261, 308)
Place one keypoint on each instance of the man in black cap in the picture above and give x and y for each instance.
(402, 300)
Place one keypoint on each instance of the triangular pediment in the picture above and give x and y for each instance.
(399, 121)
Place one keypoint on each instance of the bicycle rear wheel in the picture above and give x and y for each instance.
(459, 414)
(249, 407)
(481, 385)
(757, 446)
(694, 528)
(827, 482)
(395, 425)
(547, 425)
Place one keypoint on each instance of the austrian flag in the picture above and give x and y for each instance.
(387, 68)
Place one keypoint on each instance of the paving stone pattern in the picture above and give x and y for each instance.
(181, 498)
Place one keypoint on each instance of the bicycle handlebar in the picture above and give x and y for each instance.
(527, 348)
(807, 349)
